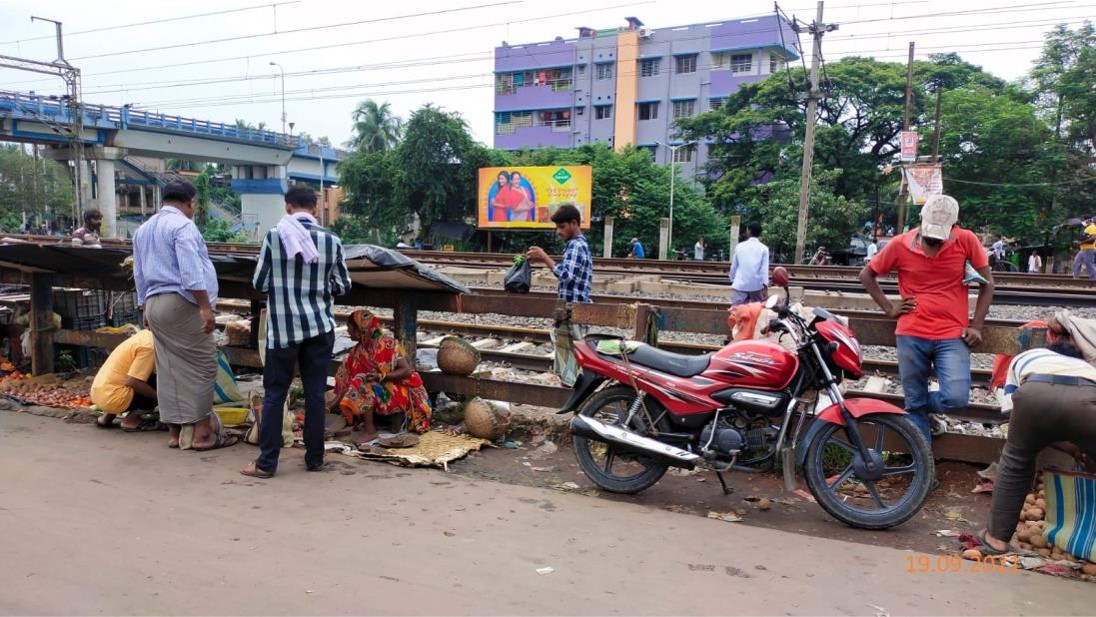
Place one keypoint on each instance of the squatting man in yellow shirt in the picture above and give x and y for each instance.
(126, 382)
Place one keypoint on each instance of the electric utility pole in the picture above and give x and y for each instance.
(814, 93)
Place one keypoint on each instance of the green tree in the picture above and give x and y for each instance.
(376, 128)
(217, 230)
(431, 174)
(1064, 80)
(833, 218)
(36, 186)
(204, 188)
(631, 187)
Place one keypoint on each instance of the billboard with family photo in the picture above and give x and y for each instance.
(526, 197)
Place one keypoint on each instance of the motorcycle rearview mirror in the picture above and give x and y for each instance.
(780, 277)
(772, 302)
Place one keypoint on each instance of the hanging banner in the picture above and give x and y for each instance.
(923, 181)
(909, 146)
(526, 197)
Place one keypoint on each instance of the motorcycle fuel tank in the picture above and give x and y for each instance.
(753, 364)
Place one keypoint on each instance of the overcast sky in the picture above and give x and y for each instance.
(433, 51)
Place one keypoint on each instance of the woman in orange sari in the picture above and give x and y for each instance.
(376, 379)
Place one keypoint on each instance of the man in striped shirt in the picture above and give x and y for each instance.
(1050, 396)
(301, 267)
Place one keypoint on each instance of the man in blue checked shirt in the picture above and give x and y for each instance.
(576, 272)
(301, 267)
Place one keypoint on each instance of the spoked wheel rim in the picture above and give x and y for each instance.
(620, 465)
(894, 479)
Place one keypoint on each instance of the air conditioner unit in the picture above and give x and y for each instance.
(644, 33)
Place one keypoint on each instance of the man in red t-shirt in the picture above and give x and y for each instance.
(934, 326)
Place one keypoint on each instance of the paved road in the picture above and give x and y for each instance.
(98, 522)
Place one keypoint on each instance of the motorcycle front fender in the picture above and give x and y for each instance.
(857, 407)
(585, 385)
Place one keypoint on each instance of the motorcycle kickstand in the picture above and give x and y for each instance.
(726, 489)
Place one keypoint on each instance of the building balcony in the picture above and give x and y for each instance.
(725, 82)
(512, 137)
(553, 94)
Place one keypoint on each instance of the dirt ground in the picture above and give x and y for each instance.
(698, 493)
(105, 522)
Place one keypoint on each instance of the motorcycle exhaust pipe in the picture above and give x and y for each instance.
(631, 441)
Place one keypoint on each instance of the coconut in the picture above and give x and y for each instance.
(457, 356)
(483, 420)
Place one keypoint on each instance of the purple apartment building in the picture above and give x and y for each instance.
(627, 85)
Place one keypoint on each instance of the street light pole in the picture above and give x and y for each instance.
(282, 70)
(673, 176)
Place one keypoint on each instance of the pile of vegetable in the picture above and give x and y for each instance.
(47, 390)
(1032, 527)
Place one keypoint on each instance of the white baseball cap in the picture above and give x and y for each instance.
(938, 216)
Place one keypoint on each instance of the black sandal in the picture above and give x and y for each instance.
(109, 423)
(987, 548)
(253, 471)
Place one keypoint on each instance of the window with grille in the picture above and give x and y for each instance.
(683, 155)
(684, 109)
(714, 104)
(603, 112)
(648, 111)
(649, 67)
(685, 64)
(605, 71)
(776, 63)
(742, 63)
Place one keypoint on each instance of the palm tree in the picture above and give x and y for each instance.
(375, 127)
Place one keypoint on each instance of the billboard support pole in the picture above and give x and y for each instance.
(607, 251)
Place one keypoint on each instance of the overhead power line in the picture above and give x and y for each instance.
(849, 38)
(298, 30)
(153, 22)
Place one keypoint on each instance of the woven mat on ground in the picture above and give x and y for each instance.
(435, 449)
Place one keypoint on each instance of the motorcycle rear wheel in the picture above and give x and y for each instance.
(839, 489)
(633, 473)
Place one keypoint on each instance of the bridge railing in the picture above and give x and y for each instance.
(124, 117)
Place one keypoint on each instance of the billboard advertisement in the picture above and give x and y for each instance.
(909, 146)
(924, 181)
(526, 197)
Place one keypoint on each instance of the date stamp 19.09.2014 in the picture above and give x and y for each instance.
(954, 564)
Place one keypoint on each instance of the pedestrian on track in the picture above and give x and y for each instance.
(935, 330)
(750, 268)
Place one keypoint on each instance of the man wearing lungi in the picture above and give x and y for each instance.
(177, 286)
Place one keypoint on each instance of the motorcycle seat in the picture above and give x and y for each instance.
(676, 364)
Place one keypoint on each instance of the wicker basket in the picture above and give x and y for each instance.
(238, 333)
(485, 421)
(457, 357)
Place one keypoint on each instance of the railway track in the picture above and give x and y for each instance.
(528, 349)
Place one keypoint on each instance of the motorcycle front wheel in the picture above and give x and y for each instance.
(860, 497)
(613, 471)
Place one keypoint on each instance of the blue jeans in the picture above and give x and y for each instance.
(1087, 259)
(951, 360)
(313, 357)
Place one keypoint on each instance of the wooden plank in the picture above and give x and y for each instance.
(516, 347)
(41, 323)
(528, 394)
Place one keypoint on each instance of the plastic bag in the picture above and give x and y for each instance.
(519, 278)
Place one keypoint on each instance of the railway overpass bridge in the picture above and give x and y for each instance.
(121, 140)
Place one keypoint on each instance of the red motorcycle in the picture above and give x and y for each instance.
(640, 410)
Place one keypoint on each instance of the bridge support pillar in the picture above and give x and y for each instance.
(262, 196)
(107, 201)
(663, 238)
